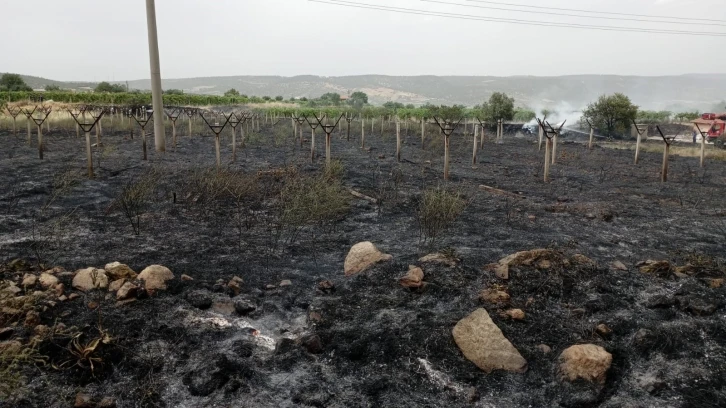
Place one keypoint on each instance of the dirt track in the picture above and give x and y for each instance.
(377, 337)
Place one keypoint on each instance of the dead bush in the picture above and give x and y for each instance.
(135, 197)
(438, 209)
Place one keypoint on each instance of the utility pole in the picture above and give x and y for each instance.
(157, 103)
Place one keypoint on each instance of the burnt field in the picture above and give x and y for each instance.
(258, 326)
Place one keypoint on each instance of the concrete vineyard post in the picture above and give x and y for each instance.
(592, 134)
(190, 126)
(362, 133)
(541, 135)
(347, 133)
(548, 152)
(373, 122)
(173, 133)
(155, 68)
(40, 141)
(703, 148)
(637, 147)
(481, 138)
(312, 146)
(327, 149)
(473, 155)
(446, 157)
(554, 148)
(89, 154)
(30, 142)
(234, 143)
(143, 141)
(664, 169)
(398, 140)
(216, 149)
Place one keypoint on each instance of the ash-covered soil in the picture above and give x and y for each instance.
(367, 341)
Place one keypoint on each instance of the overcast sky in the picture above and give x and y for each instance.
(99, 40)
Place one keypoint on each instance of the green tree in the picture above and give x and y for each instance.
(524, 115)
(358, 99)
(612, 114)
(330, 98)
(174, 92)
(110, 88)
(13, 83)
(52, 88)
(686, 116)
(499, 106)
(231, 92)
(279, 98)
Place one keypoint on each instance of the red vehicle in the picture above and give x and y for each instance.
(713, 126)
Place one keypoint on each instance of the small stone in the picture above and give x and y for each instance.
(73, 296)
(41, 330)
(155, 278)
(32, 319)
(413, 279)
(83, 401)
(235, 287)
(117, 270)
(586, 361)
(515, 314)
(494, 296)
(532, 218)
(603, 329)
(244, 307)
(11, 346)
(63, 298)
(93, 305)
(59, 289)
(186, 278)
(472, 395)
(544, 349)
(127, 291)
(12, 288)
(89, 279)
(362, 256)
(29, 280)
(658, 268)
(116, 285)
(270, 287)
(326, 286)
(440, 258)
(619, 266)
(120, 303)
(315, 317)
(312, 344)
(285, 282)
(715, 283)
(107, 402)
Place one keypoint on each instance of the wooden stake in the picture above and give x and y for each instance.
(362, 133)
(541, 135)
(446, 157)
(637, 145)
(664, 170)
(592, 134)
(40, 141)
(89, 154)
(216, 147)
(554, 147)
(548, 152)
(398, 140)
(312, 146)
(327, 149)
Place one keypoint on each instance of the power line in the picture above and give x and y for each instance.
(573, 15)
(512, 21)
(589, 11)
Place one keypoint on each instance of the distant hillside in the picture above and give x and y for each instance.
(40, 83)
(676, 93)
(665, 92)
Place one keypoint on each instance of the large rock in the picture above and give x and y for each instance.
(127, 291)
(117, 270)
(29, 280)
(89, 279)
(47, 280)
(155, 277)
(483, 343)
(586, 361)
(362, 256)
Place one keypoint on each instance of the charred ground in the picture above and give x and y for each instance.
(367, 342)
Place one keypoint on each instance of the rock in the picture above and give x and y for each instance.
(659, 268)
(312, 344)
(63, 298)
(29, 280)
(270, 287)
(89, 279)
(107, 402)
(715, 283)
(186, 278)
(515, 314)
(235, 287)
(472, 395)
(93, 305)
(11, 347)
(586, 361)
(32, 318)
(440, 258)
(619, 266)
(413, 279)
(41, 330)
(83, 401)
(362, 256)
(544, 349)
(19, 265)
(73, 296)
(116, 285)
(244, 307)
(494, 296)
(127, 291)
(532, 217)
(155, 277)
(201, 299)
(117, 270)
(603, 330)
(483, 343)
(686, 270)
(286, 282)
(580, 259)
(59, 289)
(523, 258)
(326, 286)
(11, 288)
(315, 317)
(284, 345)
